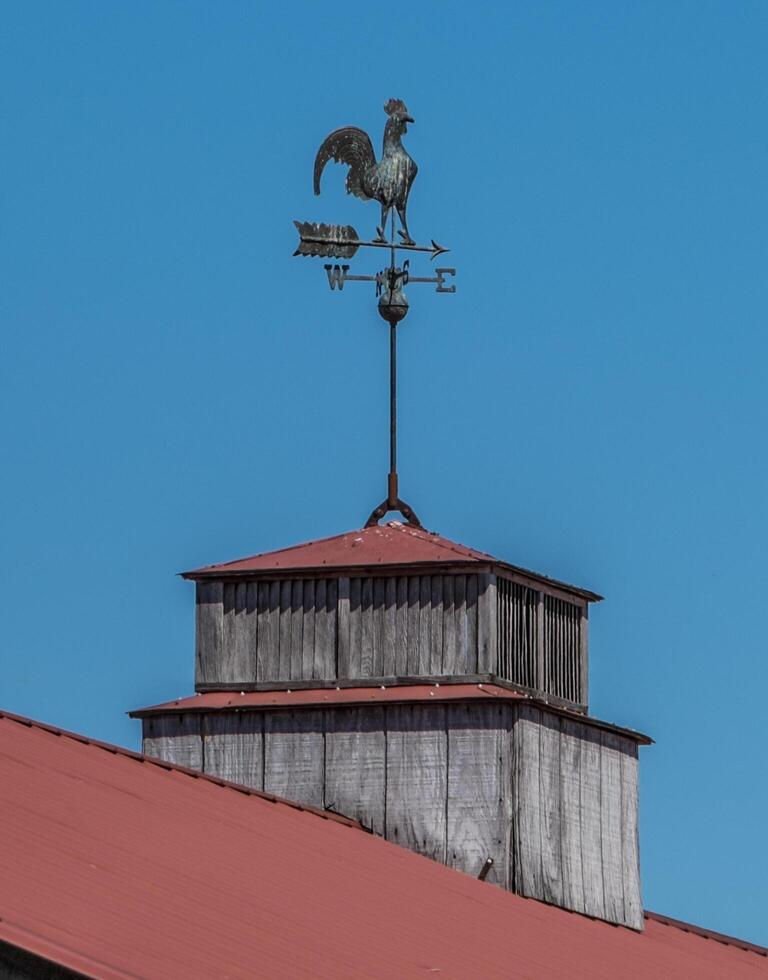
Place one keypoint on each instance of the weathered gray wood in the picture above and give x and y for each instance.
(414, 624)
(436, 629)
(174, 738)
(584, 652)
(317, 663)
(487, 648)
(591, 848)
(325, 634)
(449, 626)
(355, 770)
(232, 747)
(550, 810)
(389, 660)
(630, 853)
(416, 778)
(472, 624)
(541, 625)
(366, 614)
(297, 630)
(461, 659)
(527, 806)
(343, 628)
(226, 665)
(293, 755)
(570, 813)
(308, 627)
(284, 664)
(236, 632)
(250, 632)
(379, 599)
(209, 613)
(477, 811)
(355, 628)
(401, 627)
(269, 628)
(425, 625)
(610, 827)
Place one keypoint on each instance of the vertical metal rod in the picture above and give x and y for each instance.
(392, 488)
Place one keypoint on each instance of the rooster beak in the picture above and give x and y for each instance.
(409, 119)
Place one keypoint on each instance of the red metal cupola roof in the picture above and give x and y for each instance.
(393, 545)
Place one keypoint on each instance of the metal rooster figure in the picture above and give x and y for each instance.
(389, 182)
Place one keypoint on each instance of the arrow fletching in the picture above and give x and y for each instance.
(329, 241)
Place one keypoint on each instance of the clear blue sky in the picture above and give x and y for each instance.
(176, 389)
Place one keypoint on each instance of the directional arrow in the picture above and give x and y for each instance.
(342, 241)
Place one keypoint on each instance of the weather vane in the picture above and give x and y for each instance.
(387, 181)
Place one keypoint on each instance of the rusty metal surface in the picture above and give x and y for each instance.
(378, 547)
(349, 696)
(116, 866)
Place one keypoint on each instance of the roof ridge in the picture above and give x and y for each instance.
(446, 544)
(174, 767)
(704, 933)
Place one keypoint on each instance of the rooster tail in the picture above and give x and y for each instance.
(353, 147)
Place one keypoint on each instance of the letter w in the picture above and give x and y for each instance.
(337, 275)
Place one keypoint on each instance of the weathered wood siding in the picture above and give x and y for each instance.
(575, 800)
(552, 800)
(386, 627)
(323, 629)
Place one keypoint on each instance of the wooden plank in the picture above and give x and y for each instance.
(414, 630)
(311, 586)
(449, 626)
(326, 634)
(343, 628)
(284, 667)
(320, 652)
(297, 629)
(487, 652)
(226, 660)
(355, 628)
(417, 748)
(570, 813)
(477, 813)
(527, 803)
(584, 656)
(209, 611)
(355, 764)
(401, 627)
(610, 826)
(630, 855)
(366, 618)
(174, 738)
(379, 600)
(293, 755)
(425, 625)
(250, 625)
(549, 809)
(239, 661)
(389, 665)
(461, 656)
(436, 629)
(541, 629)
(232, 747)
(269, 631)
(591, 848)
(472, 624)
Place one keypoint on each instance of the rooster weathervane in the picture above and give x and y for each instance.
(389, 182)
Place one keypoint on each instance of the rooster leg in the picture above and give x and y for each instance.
(407, 240)
(381, 230)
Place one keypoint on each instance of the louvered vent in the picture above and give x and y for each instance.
(517, 632)
(540, 641)
(562, 648)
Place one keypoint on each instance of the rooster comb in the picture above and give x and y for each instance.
(394, 107)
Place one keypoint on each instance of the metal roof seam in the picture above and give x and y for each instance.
(704, 933)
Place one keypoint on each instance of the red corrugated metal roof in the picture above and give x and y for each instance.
(395, 694)
(117, 867)
(393, 544)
